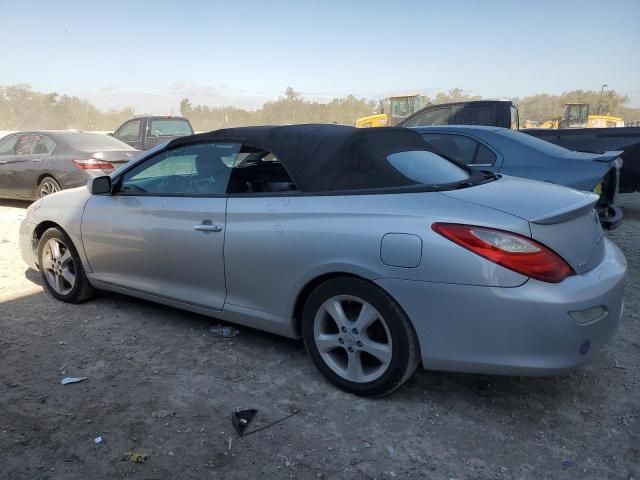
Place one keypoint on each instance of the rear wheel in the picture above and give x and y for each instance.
(61, 268)
(47, 186)
(359, 337)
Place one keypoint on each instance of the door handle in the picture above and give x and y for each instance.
(208, 228)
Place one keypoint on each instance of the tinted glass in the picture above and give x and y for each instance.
(533, 142)
(439, 116)
(8, 144)
(458, 147)
(484, 156)
(129, 131)
(93, 142)
(169, 128)
(258, 171)
(34, 145)
(201, 169)
(426, 167)
(477, 115)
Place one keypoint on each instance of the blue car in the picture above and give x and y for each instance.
(505, 151)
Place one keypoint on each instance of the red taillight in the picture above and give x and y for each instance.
(92, 164)
(513, 251)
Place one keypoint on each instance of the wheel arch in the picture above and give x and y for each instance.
(39, 231)
(312, 284)
(306, 290)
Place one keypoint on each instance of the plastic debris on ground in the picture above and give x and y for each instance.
(98, 439)
(240, 418)
(135, 457)
(223, 332)
(162, 413)
(68, 380)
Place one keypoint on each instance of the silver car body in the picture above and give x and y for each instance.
(469, 314)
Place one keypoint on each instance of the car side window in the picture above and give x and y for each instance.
(192, 170)
(27, 144)
(129, 131)
(484, 156)
(257, 171)
(42, 145)
(478, 115)
(439, 116)
(460, 147)
(8, 145)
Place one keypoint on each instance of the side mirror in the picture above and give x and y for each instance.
(100, 185)
(110, 134)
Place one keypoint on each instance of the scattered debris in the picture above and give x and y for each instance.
(239, 414)
(162, 413)
(223, 332)
(240, 418)
(230, 442)
(68, 380)
(97, 440)
(135, 457)
(617, 365)
(567, 464)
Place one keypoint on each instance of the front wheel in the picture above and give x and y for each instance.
(61, 268)
(359, 337)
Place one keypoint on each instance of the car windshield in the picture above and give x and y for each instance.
(165, 127)
(91, 142)
(533, 142)
(428, 168)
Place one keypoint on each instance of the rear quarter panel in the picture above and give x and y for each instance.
(274, 246)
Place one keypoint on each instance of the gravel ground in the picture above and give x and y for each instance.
(159, 384)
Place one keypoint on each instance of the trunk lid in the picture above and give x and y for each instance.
(561, 218)
(116, 157)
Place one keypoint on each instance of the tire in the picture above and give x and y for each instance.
(61, 270)
(385, 331)
(47, 186)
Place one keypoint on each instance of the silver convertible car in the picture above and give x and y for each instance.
(375, 250)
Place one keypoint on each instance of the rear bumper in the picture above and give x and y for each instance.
(526, 330)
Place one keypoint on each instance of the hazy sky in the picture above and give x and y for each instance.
(149, 54)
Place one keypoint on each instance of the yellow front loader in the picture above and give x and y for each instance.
(392, 111)
(576, 115)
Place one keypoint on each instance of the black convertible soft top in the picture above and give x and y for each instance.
(321, 158)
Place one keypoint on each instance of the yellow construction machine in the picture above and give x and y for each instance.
(576, 115)
(393, 110)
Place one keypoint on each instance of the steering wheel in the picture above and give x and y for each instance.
(175, 184)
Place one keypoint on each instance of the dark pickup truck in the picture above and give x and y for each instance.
(144, 133)
(502, 113)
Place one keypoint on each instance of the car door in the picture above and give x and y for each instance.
(466, 149)
(34, 150)
(162, 229)
(129, 133)
(8, 147)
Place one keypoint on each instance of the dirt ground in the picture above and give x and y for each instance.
(159, 384)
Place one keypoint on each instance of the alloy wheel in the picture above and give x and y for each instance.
(353, 338)
(58, 266)
(47, 187)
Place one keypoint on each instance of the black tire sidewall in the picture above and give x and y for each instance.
(403, 339)
(76, 291)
